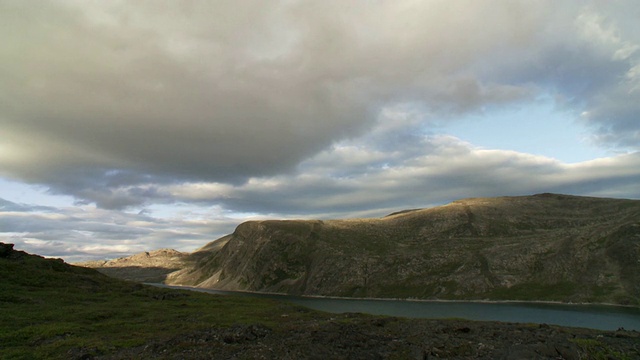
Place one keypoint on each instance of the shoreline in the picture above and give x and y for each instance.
(479, 301)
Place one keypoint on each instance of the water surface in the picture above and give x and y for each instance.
(603, 317)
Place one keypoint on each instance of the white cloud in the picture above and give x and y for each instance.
(78, 234)
(594, 28)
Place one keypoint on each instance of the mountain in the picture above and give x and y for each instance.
(542, 247)
(147, 266)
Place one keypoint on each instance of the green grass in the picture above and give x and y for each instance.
(48, 308)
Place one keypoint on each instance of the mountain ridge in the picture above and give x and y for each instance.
(549, 247)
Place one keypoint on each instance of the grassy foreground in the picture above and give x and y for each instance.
(49, 310)
(52, 310)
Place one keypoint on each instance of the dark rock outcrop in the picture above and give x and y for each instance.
(5, 250)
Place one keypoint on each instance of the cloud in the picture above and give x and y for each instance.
(101, 89)
(86, 233)
(103, 95)
(360, 177)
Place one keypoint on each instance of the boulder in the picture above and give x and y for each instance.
(5, 250)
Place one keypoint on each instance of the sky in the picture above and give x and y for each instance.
(129, 126)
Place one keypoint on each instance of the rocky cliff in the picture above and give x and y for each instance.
(541, 247)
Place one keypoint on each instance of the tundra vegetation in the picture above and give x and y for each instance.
(52, 310)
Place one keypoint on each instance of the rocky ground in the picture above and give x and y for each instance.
(353, 336)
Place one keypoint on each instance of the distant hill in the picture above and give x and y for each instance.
(153, 266)
(542, 247)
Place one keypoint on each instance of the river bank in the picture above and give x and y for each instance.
(594, 316)
(475, 301)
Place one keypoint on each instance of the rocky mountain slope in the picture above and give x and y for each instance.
(541, 247)
(148, 266)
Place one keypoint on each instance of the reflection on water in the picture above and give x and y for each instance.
(588, 316)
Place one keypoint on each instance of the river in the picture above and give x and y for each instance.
(603, 317)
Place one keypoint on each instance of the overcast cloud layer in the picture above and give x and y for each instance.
(294, 109)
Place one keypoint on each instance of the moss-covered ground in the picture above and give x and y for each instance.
(49, 309)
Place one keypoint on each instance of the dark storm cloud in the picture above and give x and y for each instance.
(93, 97)
(220, 92)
